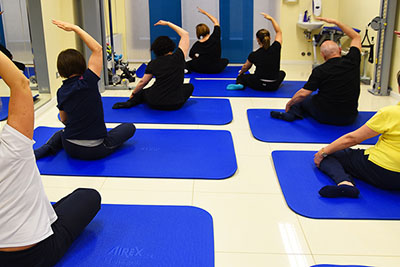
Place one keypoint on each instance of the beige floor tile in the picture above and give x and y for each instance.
(358, 260)
(252, 223)
(262, 260)
(148, 184)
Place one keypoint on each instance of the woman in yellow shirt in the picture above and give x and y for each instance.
(378, 165)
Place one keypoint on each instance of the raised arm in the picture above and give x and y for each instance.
(353, 35)
(278, 31)
(20, 110)
(211, 17)
(346, 141)
(95, 63)
(184, 41)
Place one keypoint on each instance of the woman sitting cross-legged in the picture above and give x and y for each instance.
(267, 76)
(206, 53)
(85, 135)
(168, 92)
(378, 165)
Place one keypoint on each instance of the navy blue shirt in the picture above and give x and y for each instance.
(79, 97)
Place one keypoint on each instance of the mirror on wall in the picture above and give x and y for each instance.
(15, 42)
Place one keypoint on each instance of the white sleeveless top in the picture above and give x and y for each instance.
(26, 214)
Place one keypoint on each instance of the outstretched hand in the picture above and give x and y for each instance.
(63, 25)
(265, 15)
(202, 11)
(327, 20)
(161, 22)
(397, 33)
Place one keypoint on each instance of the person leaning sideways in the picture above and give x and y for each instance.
(168, 91)
(85, 134)
(32, 231)
(337, 82)
(267, 59)
(206, 52)
(378, 165)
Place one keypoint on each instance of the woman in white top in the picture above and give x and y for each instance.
(32, 231)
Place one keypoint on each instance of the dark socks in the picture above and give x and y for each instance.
(283, 116)
(52, 146)
(127, 104)
(339, 191)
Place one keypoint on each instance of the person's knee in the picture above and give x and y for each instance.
(90, 195)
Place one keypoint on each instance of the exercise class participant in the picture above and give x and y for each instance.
(267, 59)
(378, 165)
(168, 91)
(32, 232)
(337, 82)
(81, 110)
(206, 52)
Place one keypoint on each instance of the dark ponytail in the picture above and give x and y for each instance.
(264, 37)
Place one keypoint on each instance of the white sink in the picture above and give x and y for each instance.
(309, 26)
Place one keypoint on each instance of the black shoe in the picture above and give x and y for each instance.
(343, 190)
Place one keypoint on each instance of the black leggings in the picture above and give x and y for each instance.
(115, 138)
(252, 81)
(74, 212)
(345, 164)
(204, 66)
(144, 96)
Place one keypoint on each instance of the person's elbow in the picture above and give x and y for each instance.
(98, 50)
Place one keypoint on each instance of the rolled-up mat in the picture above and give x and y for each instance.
(153, 153)
(217, 88)
(307, 130)
(194, 111)
(300, 181)
(148, 236)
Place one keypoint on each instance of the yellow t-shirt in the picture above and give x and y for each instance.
(386, 152)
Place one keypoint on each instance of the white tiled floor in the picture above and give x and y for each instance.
(252, 224)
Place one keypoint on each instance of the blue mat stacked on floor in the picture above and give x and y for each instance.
(195, 111)
(330, 265)
(307, 130)
(191, 154)
(4, 103)
(301, 180)
(218, 88)
(133, 235)
(229, 72)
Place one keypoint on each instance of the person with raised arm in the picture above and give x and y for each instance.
(378, 165)
(85, 134)
(205, 54)
(337, 82)
(267, 59)
(32, 231)
(168, 91)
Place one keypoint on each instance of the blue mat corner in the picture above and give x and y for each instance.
(148, 236)
(300, 181)
(307, 130)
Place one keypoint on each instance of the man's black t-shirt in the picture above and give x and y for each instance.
(338, 84)
(209, 50)
(267, 61)
(169, 73)
(79, 97)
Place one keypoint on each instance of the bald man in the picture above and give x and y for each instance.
(337, 82)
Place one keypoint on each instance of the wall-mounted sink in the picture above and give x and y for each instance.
(309, 26)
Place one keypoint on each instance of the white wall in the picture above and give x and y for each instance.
(271, 7)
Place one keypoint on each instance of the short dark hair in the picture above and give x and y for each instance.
(162, 45)
(202, 30)
(398, 78)
(70, 62)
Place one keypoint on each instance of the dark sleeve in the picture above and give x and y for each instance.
(59, 102)
(149, 68)
(179, 54)
(6, 52)
(193, 50)
(313, 82)
(354, 55)
(276, 46)
(252, 57)
(90, 77)
(216, 33)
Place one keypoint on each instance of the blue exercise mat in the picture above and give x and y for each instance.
(229, 72)
(218, 88)
(194, 111)
(307, 130)
(301, 180)
(158, 153)
(136, 235)
(4, 103)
